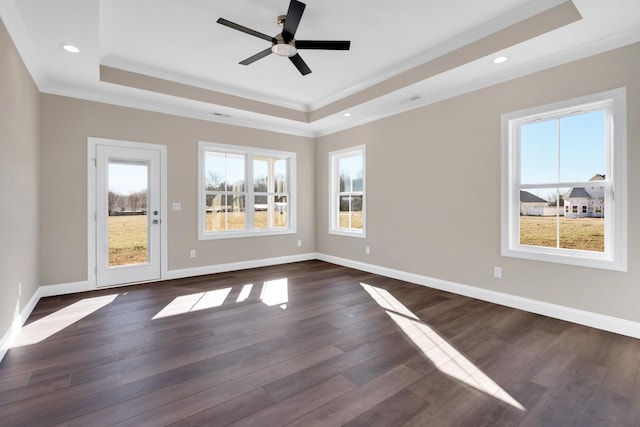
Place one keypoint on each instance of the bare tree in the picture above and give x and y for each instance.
(143, 200)
(214, 182)
(134, 201)
(112, 201)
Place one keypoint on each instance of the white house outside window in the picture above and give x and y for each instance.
(347, 192)
(564, 182)
(245, 191)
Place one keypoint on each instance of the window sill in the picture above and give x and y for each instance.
(588, 259)
(360, 234)
(244, 234)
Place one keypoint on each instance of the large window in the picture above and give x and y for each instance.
(564, 182)
(245, 191)
(347, 192)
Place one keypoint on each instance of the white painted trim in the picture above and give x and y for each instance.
(581, 317)
(64, 289)
(18, 322)
(242, 265)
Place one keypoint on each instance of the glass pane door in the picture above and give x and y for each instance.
(128, 223)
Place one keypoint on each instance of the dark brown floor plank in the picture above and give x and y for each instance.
(299, 404)
(332, 356)
(354, 403)
(394, 411)
(229, 411)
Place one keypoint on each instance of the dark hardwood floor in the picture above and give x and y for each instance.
(310, 344)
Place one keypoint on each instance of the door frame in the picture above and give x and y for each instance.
(92, 229)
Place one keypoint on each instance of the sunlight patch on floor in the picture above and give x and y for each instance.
(194, 302)
(53, 323)
(244, 293)
(273, 292)
(442, 354)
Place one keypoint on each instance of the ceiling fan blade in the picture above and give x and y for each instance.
(255, 57)
(300, 64)
(294, 14)
(323, 44)
(245, 29)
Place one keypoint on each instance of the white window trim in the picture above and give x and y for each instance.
(250, 153)
(334, 184)
(615, 255)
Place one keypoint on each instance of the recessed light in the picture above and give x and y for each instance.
(347, 114)
(70, 48)
(500, 60)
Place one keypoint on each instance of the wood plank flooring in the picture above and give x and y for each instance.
(310, 344)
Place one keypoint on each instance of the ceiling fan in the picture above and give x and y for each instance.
(284, 44)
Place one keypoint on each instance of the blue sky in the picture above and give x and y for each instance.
(125, 178)
(578, 156)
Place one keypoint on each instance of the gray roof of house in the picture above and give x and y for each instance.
(526, 197)
(577, 192)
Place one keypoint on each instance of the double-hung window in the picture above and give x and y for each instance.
(347, 192)
(564, 182)
(245, 191)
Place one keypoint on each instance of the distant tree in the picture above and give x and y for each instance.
(113, 200)
(260, 185)
(553, 201)
(134, 201)
(214, 182)
(143, 200)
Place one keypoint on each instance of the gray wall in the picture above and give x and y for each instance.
(19, 161)
(433, 190)
(66, 123)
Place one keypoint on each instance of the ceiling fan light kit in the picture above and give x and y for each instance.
(284, 44)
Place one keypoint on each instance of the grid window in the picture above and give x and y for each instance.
(245, 191)
(562, 166)
(347, 198)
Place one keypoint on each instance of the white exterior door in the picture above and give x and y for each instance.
(127, 214)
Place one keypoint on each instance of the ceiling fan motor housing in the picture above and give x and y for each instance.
(282, 48)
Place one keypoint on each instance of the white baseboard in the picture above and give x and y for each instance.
(581, 317)
(18, 322)
(64, 288)
(233, 266)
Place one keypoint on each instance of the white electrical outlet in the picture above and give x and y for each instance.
(176, 206)
(497, 272)
(367, 250)
(299, 243)
(192, 253)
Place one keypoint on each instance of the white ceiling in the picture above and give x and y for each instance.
(180, 41)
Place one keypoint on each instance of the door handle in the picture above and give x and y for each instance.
(156, 221)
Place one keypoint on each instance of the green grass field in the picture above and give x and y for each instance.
(127, 240)
(575, 233)
(356, 220)
(237, 220)
(128, 234)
